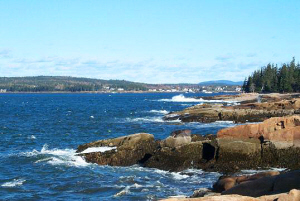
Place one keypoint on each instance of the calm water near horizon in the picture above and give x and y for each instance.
(40, 133)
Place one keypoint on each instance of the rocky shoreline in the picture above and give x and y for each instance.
(251, 108)
(273, 143)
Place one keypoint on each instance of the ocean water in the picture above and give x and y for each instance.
(39, 134)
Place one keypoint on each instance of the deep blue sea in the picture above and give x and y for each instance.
(39, 134)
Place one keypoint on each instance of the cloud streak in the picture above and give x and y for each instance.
(147, 70)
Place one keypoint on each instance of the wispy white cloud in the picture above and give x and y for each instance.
(147, 70)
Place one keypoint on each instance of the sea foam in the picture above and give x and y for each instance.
(182, 99)
(14, 183)
(55, 156)
(149, 119)
(159, 111)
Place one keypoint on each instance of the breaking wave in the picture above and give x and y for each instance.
(182, 99)
(159, 111)
(66, 157)
(149, 119)
(14, 183)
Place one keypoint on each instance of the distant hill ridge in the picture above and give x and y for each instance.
(64, 83)
(221, 83)
(77, 84)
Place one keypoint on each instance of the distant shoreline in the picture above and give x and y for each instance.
(101, 92)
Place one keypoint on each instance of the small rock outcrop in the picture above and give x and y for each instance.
(130, 150)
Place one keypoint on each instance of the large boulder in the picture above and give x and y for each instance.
(287, 181)
(255, 188)
(260, 184)
(227, 182)
(233, 155)
(177, 159)
(272, 143)
(125, 151)
(283, 132)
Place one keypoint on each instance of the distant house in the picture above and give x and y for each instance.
(3, 90)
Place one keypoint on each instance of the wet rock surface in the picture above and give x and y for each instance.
(266, 184)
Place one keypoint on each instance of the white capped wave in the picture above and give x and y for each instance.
(181, 98)
(14, 183)
(178, 176)
(149, 119)
(32, 137)
(136, 185)
(66, 157)
(145, 119)
(125, 191)
(29, 153)
(159, 111)
(98, 149)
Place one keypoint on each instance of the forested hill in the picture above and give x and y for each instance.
(274, 78)
(62, 83)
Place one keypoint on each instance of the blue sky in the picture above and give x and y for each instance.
(158, 41)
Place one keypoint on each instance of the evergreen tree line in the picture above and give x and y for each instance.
(271, 78)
